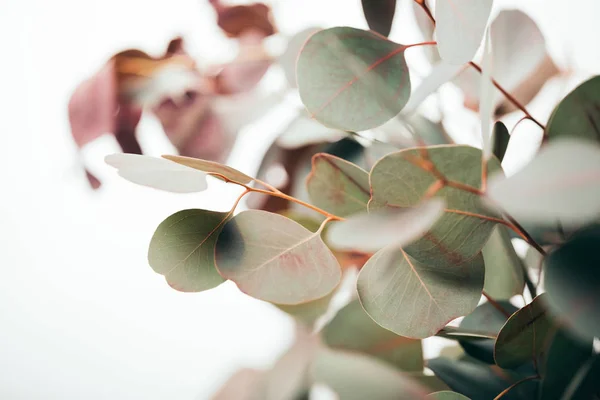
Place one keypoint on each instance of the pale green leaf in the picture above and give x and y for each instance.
(504, 274)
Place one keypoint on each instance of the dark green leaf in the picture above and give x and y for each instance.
(501, 139)
(446, 395)
(358, 377)
(565, 356)
(488, 317)
(352, 79)
(379, 15)
(504, 276)
(211, 167)
(415, 299)
(479, 381)
(572, 278)
(524, 335)
(352, 329)
(338, 186)
(400, 180)
(578, 114)
(562, 182)
(183, 249)
(275, 259)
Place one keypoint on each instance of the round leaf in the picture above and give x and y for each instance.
(460, 27)
(183, 249)
(562, 182)
(369, 232)
(415, 299)
(338, 186)
(157, 173)
(578, 114)
(572, 281)
(400, 180)
(211, 166)
(524, 334)
(272, 258)
(352, 79)
(352, 329)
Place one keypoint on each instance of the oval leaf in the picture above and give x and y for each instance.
(578, 114)
(562, 182)
(504, 273)
(501, 138)
(157, 173)
(337, 185)
(379, 15)
(524, 334)
(572, 279)
(414, 299)
(352, 329)
(352, 79)
(460, 27)
(446, 395)
(211, 167)
(401, 180)
(273, 258)
(183, 249)
(369, 232)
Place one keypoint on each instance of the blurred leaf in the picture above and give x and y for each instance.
(441, 73)
(303, 131)
(352, 329)
(479, 381)
(245, 384)
(487, 317)
(524, 335)
(275, 259)
(562, 182)
(379, 15)
(287, 60)
(238, 19)
(519, 62)
(338, 186)
(565, 355)
(370, 232)
(431, 382)
(401, 180)
(460, 27)
(211, 167)
(501, 139)
(371, 83)
(157, 173)
(427, 28)
(183, 249)
(504, 276)
(357, 377)
(572, 279)
(585, 384)
(416, 299)
(578, 114)
(308, 312)
(446, 395)
(486, 99)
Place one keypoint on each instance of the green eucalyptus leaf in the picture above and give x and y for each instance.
(354, 376)
(446, 395)
(272, 258)
(379, 15)
(480, 381)
(308, 312)
(338, 186)
(488, 317)
(565, 355)
(464, 228)
(562, 182)
(416, 299)
(578, 114)
(351, 79)
(211, 167)
(352, 329)
(501, 139)
(504, 276)
(524, 335)
(183, 249)
(572, 279)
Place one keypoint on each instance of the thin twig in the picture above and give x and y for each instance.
(508, 389)
(495, 304)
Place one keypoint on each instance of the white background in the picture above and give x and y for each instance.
(82, 316)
